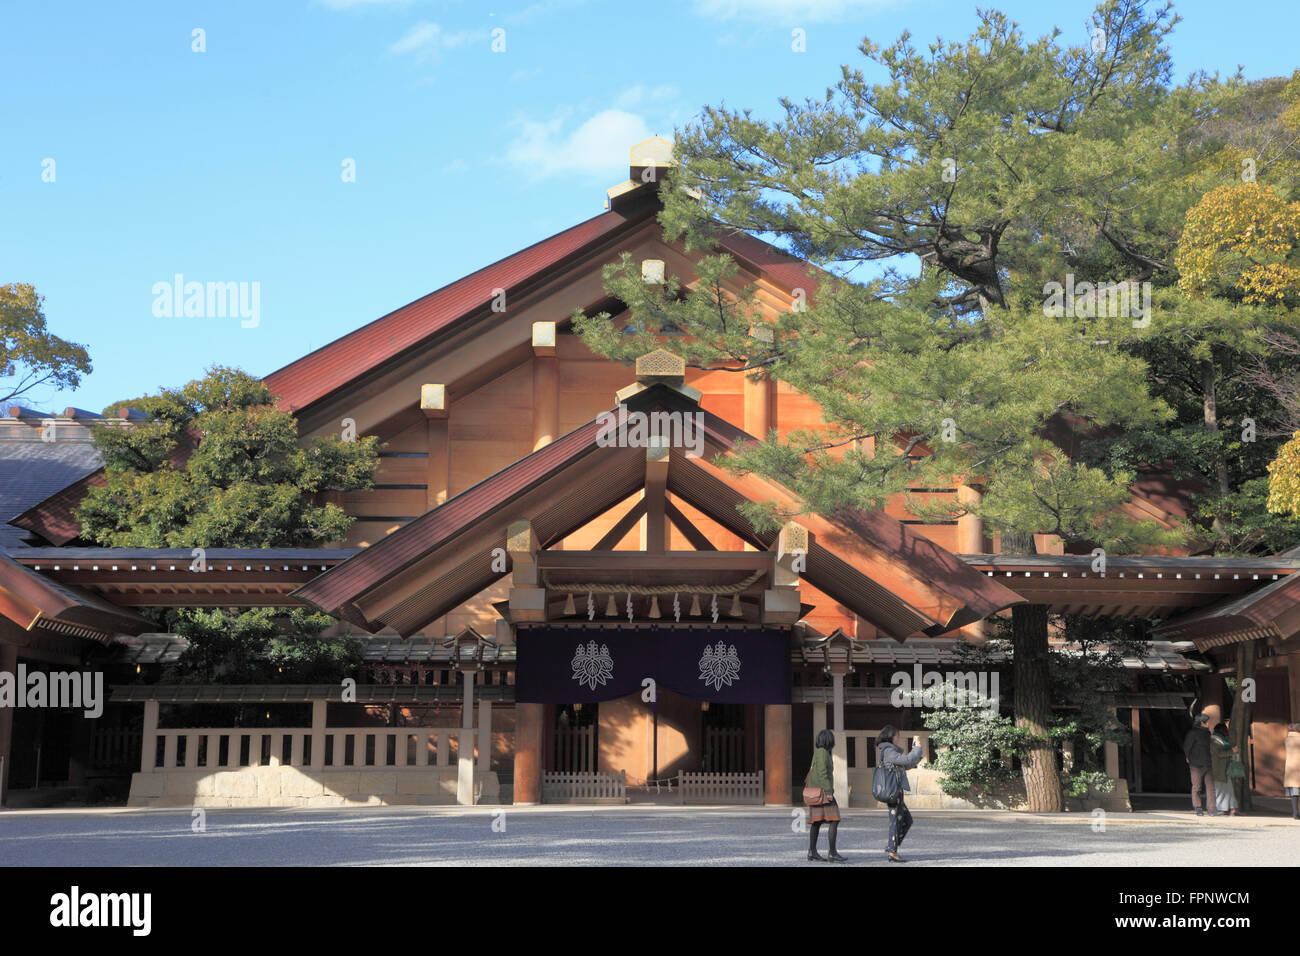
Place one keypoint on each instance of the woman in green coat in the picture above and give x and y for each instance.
(1221, 751)
(827, 811)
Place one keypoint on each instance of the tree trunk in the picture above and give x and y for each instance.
(1243, 714)
(1033, 706)
(1210, 412)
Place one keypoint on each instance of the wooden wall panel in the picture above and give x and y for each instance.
(491, 428)
(944, 535)
(414, 438)
(795, 411)
(897, 507)
(587, 387)
(402, 471)
(364, 533)
(386, 503)
(590, 534)
(721, 538)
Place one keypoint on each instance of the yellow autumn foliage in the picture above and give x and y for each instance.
(1284, 479)
(1242, 238)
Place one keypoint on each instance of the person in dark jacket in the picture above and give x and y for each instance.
(888, 754)
(821, 775)
(1196, 748)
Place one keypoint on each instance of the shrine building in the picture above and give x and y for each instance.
(551, 609)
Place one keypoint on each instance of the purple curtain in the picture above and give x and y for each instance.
(572, 665)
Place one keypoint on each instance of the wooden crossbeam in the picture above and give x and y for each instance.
(624, 524)
(699, 541)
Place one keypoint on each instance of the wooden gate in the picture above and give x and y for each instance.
(575, 750)
(724, 750)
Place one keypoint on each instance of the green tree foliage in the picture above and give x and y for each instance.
(31, 357)
(975, 750)
(975, 173)
(258, 645)
(217, 465)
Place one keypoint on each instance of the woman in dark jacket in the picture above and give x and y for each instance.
(828, 812)
(888, 754)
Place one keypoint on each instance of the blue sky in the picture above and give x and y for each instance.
(226, 165)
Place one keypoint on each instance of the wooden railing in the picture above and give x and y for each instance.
(395, 748)
(721, 787)
(563, 786)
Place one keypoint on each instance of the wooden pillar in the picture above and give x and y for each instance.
(656, 495)
(1110, 751)
(759, 396)
(970, 540)
(1293, 678)
(465, 745)
(546, 385)
(79, 750)
(1135, 725)
(8, 665)
(529, 727)
(433, 402)
(527, 599)
(840, 755)
(318, 713)
(1243, 715)
(149, 740)
(484, 736)
(970, 527)
(781, 602)
(777, 758)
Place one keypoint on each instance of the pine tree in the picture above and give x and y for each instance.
(975, 176)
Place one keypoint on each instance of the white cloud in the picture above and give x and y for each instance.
(636, 95)
(426, 40)
(599, 146)
(785, 12)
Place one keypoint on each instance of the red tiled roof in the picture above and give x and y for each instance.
(779, 266)
(55, 518)
(314, 376)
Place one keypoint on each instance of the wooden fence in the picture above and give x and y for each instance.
(741, 788)
(586, 786)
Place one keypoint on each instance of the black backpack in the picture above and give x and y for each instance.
(885, 785)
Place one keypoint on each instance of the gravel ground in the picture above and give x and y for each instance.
(624, 836)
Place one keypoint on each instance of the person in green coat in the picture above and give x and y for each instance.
(1221, 753)
(821, 776)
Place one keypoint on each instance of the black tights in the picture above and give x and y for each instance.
(831, 828)
(1295, 806)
